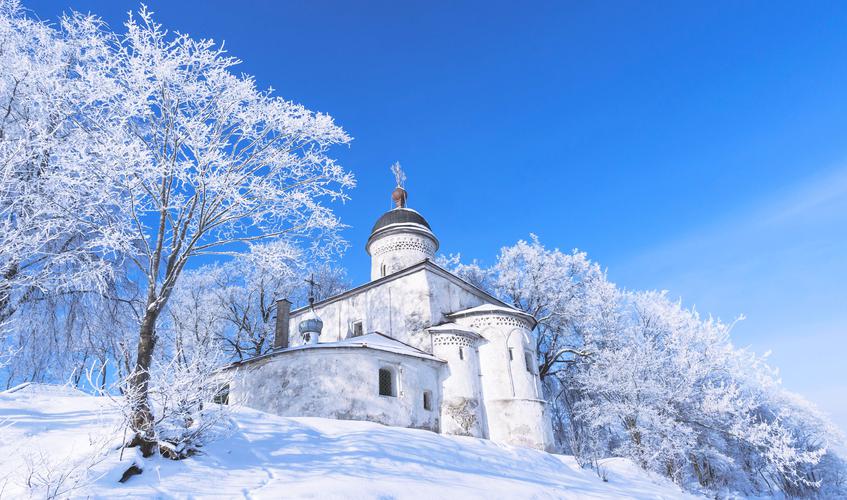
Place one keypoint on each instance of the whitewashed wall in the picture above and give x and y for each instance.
(447, 297)
(398, 308)
(515, 412)
(487, 395)
(340, 383)
(399, 249)
(402, 308)
(462, 411)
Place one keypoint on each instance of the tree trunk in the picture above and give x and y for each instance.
(139, 384)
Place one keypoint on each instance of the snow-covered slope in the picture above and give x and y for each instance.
(49, 431)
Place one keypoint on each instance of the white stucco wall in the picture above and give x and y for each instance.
(484, 395)
(340, 383)
(399, 249)
(446, 297)
(462, 411)
(399, 308)
(515, 412)
(520, 422)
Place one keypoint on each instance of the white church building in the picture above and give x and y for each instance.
(416, 346)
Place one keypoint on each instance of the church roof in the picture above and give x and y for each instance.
(453, 328)
(494, 308)
(380, 342)
(374, 340)
(400, 215)
(424, 264)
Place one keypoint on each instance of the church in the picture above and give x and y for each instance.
(416, 346)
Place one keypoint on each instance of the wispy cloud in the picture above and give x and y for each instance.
(822, 196)
(782, 262)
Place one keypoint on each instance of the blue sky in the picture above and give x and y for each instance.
(694, 147)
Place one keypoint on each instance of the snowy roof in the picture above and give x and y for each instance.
(400, 215)
(453, 328)
(375, 340)
(424, 264)
(380, 342)
(493, 308)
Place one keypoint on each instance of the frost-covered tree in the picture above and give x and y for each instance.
(572, 301)
(686, 403)
(219, 313)
(567, 294)
(146, 147)
(636, 374)
(208, 164)
(54, 235)
(60, 254)
(236, 301)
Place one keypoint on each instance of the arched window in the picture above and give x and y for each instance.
(427, 400)
(461, 353)
(383, 270)
(387, 387)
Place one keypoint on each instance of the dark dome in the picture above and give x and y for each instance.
(400, 216)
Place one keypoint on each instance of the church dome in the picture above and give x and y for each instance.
(400, 215)
(311, 325)
(310, 328)
(401, 237)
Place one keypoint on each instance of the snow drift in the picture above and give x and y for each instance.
(58, 441)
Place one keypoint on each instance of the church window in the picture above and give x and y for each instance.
(383, 270)
(386, 382)
(358, 330)
(427, 400)
(461, 353)
(528, 358)
(511, 354)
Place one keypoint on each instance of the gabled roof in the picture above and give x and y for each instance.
(380, 342)
(374, 340)
(424, 264)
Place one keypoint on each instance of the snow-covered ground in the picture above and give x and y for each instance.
(49, 431)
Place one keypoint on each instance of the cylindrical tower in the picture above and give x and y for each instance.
(399, 239)
(462, 411)
(516, 411)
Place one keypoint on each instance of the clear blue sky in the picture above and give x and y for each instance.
(694, 147)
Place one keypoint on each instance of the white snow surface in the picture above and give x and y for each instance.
(47, 432)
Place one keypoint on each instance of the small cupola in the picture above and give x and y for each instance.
(401, 237)
(310, 327)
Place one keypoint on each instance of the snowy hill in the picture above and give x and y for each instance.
(52, 436)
